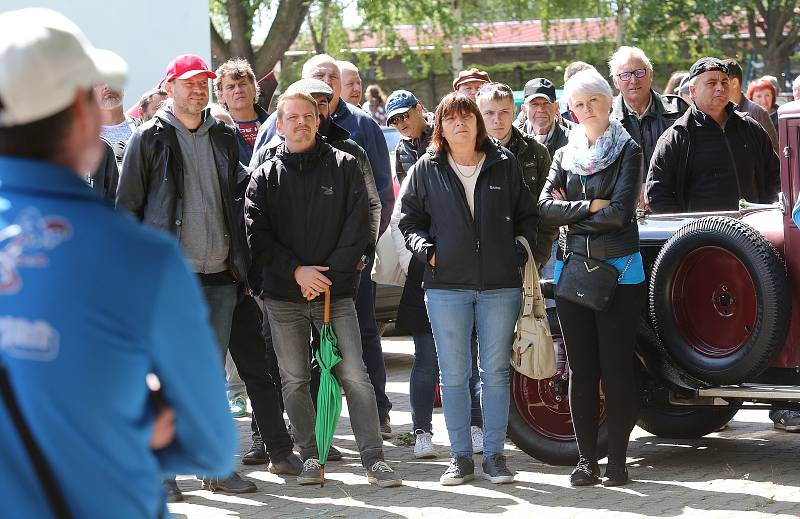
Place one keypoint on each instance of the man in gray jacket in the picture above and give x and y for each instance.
(181, 172)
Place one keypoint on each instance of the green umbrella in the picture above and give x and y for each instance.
(329, 398)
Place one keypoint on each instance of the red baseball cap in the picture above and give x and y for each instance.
(186, 66)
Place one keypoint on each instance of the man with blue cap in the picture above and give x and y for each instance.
(407, 115)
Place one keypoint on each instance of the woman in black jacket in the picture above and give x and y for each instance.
(465, 202)
(592, 189)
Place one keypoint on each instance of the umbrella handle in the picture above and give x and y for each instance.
(327, 317)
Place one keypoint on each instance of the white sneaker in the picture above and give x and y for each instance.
(477, 439)
(423, 446)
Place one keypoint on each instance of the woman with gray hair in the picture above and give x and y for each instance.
(592, 191)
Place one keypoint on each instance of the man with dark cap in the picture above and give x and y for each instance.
(405, 113)
(713, 155)
(541, 109)
(92, 304)
(468, 82)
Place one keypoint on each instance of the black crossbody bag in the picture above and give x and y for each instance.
(42, 468)
(586, 281)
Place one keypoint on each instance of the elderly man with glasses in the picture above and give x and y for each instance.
(643, 112)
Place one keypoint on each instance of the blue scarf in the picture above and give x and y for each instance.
(585, 160)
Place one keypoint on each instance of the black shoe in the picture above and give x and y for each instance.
(495, 469)
(461, 470)
(585, 474)
(233, 484)
(615, 476)
(334, 454)
(174, 494)
(257, 455)
(288, 466)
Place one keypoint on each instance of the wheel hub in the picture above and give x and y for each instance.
(714, 301)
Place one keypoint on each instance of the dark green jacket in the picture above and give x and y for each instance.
(535, 161)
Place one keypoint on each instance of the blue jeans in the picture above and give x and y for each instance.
(453, 313)
(422, 385)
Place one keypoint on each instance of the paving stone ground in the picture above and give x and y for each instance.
(748, 470)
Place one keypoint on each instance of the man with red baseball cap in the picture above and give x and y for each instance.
(181, 173)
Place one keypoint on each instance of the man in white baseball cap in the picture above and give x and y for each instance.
(91, 304)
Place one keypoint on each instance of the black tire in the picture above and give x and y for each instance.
(757, 308)
(684, 423)
(542, 427)
(552, 452)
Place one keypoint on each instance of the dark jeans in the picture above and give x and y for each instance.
(371, 342)
(290, 324)
(600, 345)
(248, 353)
(422, 384)
(272, 365)
(221, 301)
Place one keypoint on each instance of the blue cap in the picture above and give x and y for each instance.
(400, 102)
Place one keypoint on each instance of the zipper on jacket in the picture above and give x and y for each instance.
(733, 163)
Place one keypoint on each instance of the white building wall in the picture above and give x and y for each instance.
(146, 33)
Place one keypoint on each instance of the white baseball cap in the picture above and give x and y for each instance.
(44, 60)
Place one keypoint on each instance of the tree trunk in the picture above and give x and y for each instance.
(456, 54)
(620, 23)
(773, 28)
(285, 27)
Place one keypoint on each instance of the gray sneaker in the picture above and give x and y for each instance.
(311, 474)
(495, 469)
(787, 420)
(461, 470)
(382, 475)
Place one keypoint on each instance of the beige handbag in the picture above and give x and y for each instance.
(533, 353)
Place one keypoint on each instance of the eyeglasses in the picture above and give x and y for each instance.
(395, 119)
(488, 87)
(626, 76)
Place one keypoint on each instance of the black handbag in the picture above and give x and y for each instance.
(588, 282)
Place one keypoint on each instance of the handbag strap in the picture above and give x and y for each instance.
(532, 299)
(43, 471)
(627, 266)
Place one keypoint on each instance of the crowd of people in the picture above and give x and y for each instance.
(263, 214)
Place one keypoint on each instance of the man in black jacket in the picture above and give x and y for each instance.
(645, 113)
(338, 138)
(180, 174)
(713, 155)
(307, 220)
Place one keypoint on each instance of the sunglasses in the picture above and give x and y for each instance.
(396, 119)
(626, 76)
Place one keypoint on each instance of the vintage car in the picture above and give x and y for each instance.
(721, 330)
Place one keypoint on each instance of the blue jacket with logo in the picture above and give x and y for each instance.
(90, 303)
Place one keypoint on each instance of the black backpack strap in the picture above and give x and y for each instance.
(43, 471)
